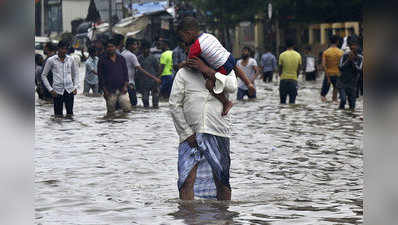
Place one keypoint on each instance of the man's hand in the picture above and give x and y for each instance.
(106, 93)
(124, 90)
(53, 93)
(182, 64)
(328, 77)
(192, 141)
(157, 80)
(198, 64)
(74, 92)
(251, 89)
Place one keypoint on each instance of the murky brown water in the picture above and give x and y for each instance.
(290, 165)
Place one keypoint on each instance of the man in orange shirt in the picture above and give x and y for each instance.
(330, 62)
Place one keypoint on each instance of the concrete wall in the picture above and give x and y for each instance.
(342, 27)
(103, 8)
(73, 9)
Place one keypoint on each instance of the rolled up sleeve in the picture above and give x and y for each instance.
(176, 109)
(75, 75)
(47, 67)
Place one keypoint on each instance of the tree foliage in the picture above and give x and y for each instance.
(319, 11)
(235, 11)
(226, 14)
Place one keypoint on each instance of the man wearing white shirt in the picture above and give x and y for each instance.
(204, 155)
(249, 66)
(132, 66)
(65, 79)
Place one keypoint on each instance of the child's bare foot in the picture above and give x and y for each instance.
(226, 107)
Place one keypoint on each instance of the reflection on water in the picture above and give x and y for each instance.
(204, 212)
(298, 164)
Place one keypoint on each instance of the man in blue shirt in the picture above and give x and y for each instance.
(268, 64)
(91, 79)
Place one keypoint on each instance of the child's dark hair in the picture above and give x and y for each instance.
(188, 23)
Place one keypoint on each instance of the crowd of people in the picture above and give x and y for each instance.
(112, 70)
(119, 68)
(199, 78)
(341, 62)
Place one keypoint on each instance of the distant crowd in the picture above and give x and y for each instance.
(118, 68)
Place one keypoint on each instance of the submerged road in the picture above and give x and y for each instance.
(300, 164)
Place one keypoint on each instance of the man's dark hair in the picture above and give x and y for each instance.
(38, 59)
(248, 49)
(145, 44)
(130, 41)
(70, 50)
(91, 50)
(352, 42)
(64, 43)
(113, 41)
(103, 41)
(164, 41)
(334, 39)
(290, 42)
(308, 48)
(188, 23)
(51, 47)
(119, 38)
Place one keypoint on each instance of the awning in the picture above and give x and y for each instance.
(131, 25)
(148, 8)
(132, 34)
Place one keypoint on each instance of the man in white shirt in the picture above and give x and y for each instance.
(204, 156)
(65, 79)
(132, 66)
(249, 66)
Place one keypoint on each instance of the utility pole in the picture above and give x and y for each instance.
(278, 35)
(110, 16)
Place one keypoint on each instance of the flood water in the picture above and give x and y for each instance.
(300, 164)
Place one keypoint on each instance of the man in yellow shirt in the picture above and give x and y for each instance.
(166, 69)
(330, 62)
(289, 67)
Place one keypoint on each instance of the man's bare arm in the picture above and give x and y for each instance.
(148, 74)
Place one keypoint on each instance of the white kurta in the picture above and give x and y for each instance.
(194, 109)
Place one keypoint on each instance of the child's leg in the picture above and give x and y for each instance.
(227, 104)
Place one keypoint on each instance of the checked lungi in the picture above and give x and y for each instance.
(213, 156)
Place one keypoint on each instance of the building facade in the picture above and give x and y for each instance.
(53, 17)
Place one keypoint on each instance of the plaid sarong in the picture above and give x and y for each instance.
(213, 154)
